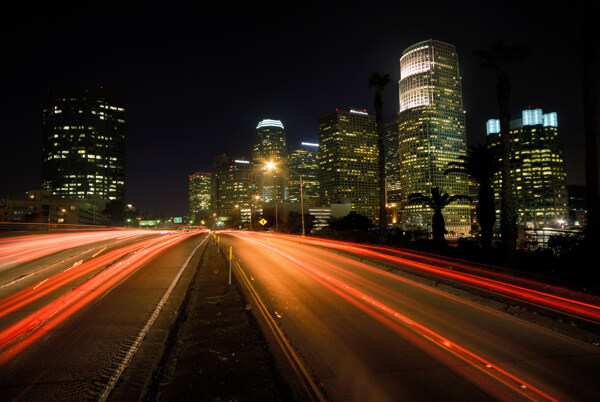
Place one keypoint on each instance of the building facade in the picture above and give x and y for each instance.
(537, 168)
(233, 189)
(392, 163)
(39, 207)
(348, 161)
(303, 160)
(270, 147)
(83, 144)
(431, 127)
(200, 189)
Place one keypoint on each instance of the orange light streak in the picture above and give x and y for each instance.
(384, 313)
(589, 311)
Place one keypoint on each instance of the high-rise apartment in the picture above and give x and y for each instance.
(537, 168)
(303, 160)
(83, 144)
(431, 126)
(270, 147)
(348, 161)
(200, 188)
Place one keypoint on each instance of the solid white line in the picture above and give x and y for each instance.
(127, 359)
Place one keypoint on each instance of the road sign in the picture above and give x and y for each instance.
(263, 221)
(177, 220)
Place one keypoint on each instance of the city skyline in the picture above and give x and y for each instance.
(189, 99)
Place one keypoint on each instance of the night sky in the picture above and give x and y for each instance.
(200, 77)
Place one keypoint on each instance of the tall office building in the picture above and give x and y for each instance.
(83, 144)
(392, 162)
(232, 183)
(270, 146)
(348, 161)
(431, 125)
(537, 168)
(200, 188)
(303, 160)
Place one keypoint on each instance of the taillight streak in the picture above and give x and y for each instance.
(399, 322)
(573, 307)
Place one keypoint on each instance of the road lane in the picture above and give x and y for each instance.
(368, 334)
(76, 358)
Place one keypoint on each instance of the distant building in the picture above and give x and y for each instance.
(577, 206)
(39, 207)
(348, 161)
(323, 214)
(431, 126)
(200, 188)
(392, 163)
(303, 160)
(233, 187)
(270, 147)
(83, 145)
(537, 168)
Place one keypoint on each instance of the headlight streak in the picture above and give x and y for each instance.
(27, 248)
(53, 283)
(23, 333)
(417, 332)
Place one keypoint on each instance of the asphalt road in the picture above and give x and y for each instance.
(71, 317)
(367, 334)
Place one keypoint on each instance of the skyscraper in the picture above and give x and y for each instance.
(392, 163)
(200, 188)
(83, 144)
(270, 146)
(348, 164)
(232, 184)
(431, 132)
(537, 168)
(303, 160)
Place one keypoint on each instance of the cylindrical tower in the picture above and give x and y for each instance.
(431, 127)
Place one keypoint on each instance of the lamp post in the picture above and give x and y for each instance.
(271, 165)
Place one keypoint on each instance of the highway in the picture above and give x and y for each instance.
(369, 334)
(74, 307)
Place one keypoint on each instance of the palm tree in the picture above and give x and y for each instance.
(497, 57)
(590, 87)
(437, 202)
(481, 163)
(379, 81)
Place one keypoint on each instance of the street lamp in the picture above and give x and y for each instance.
(270, 166)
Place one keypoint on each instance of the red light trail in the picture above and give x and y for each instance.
(376, 303)
(114, 266)
(586, 307)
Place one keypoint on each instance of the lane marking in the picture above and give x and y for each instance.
(39, 284)
(138, 340)
(305, 378)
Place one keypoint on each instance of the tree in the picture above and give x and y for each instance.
(293, 223)
(437, 202)
(115, 210)
(497, 57)
(379, 82)
(352, 221)
(481, 163)
(590, 122)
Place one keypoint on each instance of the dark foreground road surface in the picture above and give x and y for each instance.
(214, 351)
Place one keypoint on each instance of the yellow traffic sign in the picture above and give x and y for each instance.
(263, 221)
